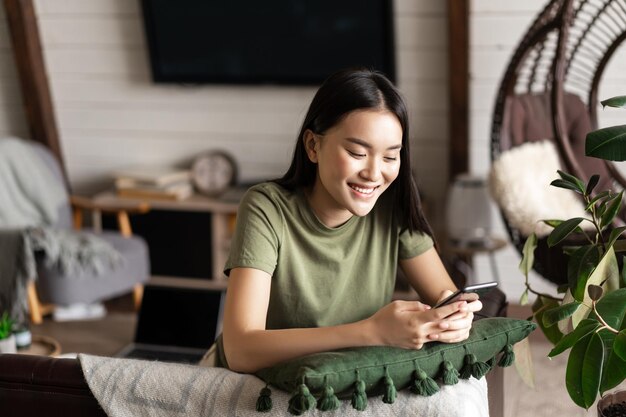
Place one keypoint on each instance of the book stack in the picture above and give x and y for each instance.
(154, 183)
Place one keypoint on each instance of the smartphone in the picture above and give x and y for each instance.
(479, 289)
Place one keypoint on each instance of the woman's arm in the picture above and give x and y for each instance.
(249, 346)
(427, 275)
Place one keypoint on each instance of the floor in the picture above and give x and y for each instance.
(548, 398)
(98, 337)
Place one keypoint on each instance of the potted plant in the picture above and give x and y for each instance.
(588, 318)
(7, 340)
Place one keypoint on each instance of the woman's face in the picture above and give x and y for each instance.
(357, 160)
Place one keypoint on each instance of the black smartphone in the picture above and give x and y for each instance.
(480, 289)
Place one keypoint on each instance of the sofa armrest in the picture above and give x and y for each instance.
(39, 385)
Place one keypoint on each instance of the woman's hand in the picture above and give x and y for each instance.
(411, 324)
(459, 323)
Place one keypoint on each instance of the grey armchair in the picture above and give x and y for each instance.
(52, 287)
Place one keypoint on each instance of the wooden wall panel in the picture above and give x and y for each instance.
(32, 74)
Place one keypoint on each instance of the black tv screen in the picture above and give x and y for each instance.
(276, 41)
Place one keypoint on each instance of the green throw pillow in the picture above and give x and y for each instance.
(354, 373)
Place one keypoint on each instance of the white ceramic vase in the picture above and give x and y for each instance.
(8, 345)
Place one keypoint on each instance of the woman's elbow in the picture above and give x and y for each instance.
(239, 359)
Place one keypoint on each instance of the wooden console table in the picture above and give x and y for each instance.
(223, 213)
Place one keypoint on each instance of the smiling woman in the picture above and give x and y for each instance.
(314, 257)
(357, 160)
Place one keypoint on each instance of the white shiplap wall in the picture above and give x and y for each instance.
(496, 29)
(110, 115)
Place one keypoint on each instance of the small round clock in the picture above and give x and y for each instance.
(213, 172)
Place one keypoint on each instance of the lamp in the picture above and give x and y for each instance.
(468, 212)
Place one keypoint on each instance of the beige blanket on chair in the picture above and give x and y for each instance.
(128, 387)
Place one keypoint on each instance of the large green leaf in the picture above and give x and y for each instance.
(584, 370)
(608, 143)
(584, 328)
(524, 362)
(612, 308)
(615, 234)
(528, 254)
(618, 101)
(541, 304)
(579, 267)
(614, 366)
(523, 300)
(580, 186)
(554, 315)
(567, 324)
(611, 210)
(593, 181)
(563, 230)
(566, 184)
(619, 346)
(606, 272)
(596, 198)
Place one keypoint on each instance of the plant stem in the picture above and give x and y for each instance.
(595, 221)
(604, 323)
(551, 297)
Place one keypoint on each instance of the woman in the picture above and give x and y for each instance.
(313, 261)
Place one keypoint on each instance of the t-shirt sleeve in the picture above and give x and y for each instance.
(257, 235)
(413, 244)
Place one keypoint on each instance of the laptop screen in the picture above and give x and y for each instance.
(188, 317)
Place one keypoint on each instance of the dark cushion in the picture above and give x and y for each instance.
(346, 372)
(531, 121)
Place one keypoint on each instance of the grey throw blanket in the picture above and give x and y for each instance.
(31, 200)
(73, 254)
(17, 266)
(30, 193)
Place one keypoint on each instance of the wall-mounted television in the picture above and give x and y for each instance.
(297, 42)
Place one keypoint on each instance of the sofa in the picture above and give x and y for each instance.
(42, 386)
(33, 385)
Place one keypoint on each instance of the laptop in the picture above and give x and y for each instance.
(176, 324)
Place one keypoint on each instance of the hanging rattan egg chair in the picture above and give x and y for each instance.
(549, 90)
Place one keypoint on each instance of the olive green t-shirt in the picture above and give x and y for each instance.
(321, 276)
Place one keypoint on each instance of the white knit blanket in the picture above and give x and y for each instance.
(129, 388)
(519, 182)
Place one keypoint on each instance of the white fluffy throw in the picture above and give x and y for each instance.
(519, 182)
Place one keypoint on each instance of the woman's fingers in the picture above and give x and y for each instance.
(475, 306)
(442, 312)
(411, 305)
(453, 336)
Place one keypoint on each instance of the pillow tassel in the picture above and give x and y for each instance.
(328, 401)
(301, 401)
(359, 398)
(473, 367)
(389, 397)
(449, 374)
(423, 384)
(508, 357)
(466, 370)
(264, 403)
(491, 363)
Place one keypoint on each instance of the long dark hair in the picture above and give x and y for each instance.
(341, 93)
